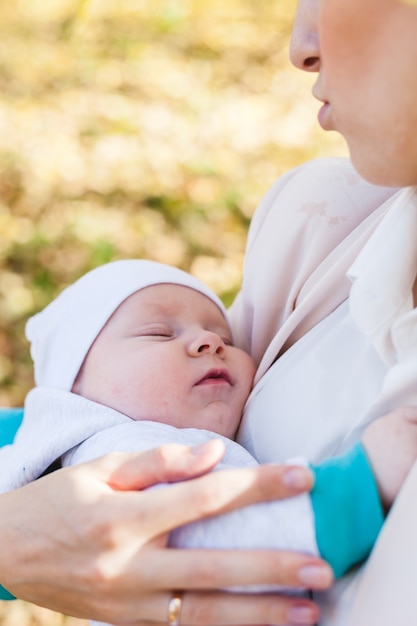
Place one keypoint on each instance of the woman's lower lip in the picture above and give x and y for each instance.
(324, 117)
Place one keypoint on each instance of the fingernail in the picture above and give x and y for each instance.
(302, 615)
(317, 576)
(296, 478)
(203, 448)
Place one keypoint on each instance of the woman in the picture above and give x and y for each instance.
(384, 596)
(353, 359)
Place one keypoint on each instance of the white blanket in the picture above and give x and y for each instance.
(60, 424)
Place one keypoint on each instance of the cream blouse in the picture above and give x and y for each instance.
(335, 307)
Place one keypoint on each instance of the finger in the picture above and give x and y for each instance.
(235, 609)
(214, 493)
(169, 463)
(213, 569)
(210, 609)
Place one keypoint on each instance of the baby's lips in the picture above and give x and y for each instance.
(216, 374)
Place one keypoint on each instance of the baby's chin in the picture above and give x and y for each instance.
(220, 419)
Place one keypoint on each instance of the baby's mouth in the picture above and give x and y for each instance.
(215, 376)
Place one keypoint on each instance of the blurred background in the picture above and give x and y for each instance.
(137, 128)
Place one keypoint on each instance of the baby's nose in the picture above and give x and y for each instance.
(208, 343)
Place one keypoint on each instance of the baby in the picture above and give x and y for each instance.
(136, 354)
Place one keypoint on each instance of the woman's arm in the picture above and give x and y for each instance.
(81, 542)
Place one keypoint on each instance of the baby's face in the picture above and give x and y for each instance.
(166, 355)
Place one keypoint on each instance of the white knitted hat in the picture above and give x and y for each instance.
(62, 334)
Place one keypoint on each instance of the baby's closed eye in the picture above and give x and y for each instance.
(155, 330)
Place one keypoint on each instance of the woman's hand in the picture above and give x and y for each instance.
(84, 541)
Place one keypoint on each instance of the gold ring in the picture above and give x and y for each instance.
(174, 609)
